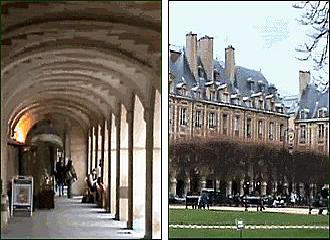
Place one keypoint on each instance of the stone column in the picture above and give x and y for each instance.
(217, 185)
(172, 186)
(149, 119)
(109, 127)
(186, 186)
(302, 189)
(311, 187)
(286, 188)
(251, 186)
(102, 148)
(91, 151)
(274, 189)
(229, 188)
(202, 182)
(130, 121)
(263, 188)
(241, 187)
(118, 119)
(96, 132)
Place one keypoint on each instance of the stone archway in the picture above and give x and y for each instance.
(98, 76)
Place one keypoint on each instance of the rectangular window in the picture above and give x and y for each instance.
(261, 104)
(236, 125)
(260, 129)
(224, 130)
(198, 119)
(281, 132)
(184, 92)
(271, 131)
(225, 97)
(211, 120)
(212, 95)
(248, 128)
(321, 132)
(302, 134)
(170, 112)
(183, 116)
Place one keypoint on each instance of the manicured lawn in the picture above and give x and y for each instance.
(284, 233)
(209, 217)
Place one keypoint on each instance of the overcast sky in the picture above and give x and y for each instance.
(264, 35)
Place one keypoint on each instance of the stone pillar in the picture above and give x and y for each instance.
(109, 133)
(96, 132)
(251, 187)
(186, 186)
(173, 185)
(263, 188)
(241, 187)
(293, 187)
(91, 150)
(124, 162)
(229, 188)
(114, 167)
(274, 189)
(311, 194)
(202, 182)
(139, 166)
(102, 148)
(118, 119)
(302, 189)
(286, 188)
(149, 119)
(130, 121)
(217, 185)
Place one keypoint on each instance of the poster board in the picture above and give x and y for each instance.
(22, 196)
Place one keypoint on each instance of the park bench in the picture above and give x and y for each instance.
(253, 201)
(192, 201)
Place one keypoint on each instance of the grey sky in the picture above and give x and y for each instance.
(264, 35)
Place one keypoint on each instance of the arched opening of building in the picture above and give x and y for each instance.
(81, 81)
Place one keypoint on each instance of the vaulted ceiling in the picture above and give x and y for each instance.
(77, 59)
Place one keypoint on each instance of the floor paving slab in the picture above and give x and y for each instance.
(69, 219)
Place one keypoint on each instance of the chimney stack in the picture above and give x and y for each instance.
(304, 79)
(230, 63)
(205, 52)
(191, 53)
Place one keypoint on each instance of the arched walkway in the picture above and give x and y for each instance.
(92, 70)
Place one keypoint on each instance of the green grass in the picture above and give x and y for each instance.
(205, 217)
(284, 233)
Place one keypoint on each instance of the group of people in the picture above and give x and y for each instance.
(95, 186)
(65, 175)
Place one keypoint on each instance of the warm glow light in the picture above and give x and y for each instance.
(22, 128)
(19, 136)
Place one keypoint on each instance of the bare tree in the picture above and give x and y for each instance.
(316, 16)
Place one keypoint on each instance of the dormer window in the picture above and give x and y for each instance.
(183, 92)
(303, 113)
(198, 94)
(261, 104)
(212, 96)
(322, 113)
(251, 83)
(200, 72)
(216, 75)
(225, 97)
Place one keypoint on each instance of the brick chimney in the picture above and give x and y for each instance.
(191, 53)
(304, 79)
(205, 52)
(230, 63)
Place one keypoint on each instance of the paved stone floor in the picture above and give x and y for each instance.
(69, 219)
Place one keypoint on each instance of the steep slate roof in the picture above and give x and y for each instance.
(180, 68)
(312, 99)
